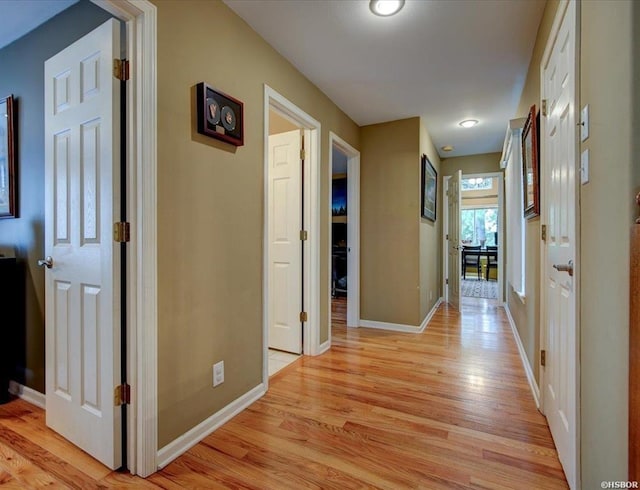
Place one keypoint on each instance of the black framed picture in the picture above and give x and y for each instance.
(530, 166)
(219, 115)
(429, 189)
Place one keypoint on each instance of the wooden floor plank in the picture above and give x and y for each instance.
(444, 409)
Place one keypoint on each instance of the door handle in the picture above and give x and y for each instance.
(46, 262)
(565, 267)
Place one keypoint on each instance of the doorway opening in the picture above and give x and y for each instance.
(479, 218)
(339, 238)
(291, 230)
(344, 185)
(480, 235)
(286, 147)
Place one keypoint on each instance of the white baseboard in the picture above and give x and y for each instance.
(189, 439)
(324, 347)
(399, 327)
(535, 391)
(429, 316)
(394, 327)
(27, 394)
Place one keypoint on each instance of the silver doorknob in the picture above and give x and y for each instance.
(565, 267)
(46, 262)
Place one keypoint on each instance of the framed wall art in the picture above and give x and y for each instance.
(7, 158)
(219, 115)
(530, 166)
(429, 189)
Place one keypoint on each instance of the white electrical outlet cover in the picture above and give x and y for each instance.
(218, 373)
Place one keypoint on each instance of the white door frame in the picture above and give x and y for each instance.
(311, 203)
(445, 231)
(353, 228)
(572, 8)
(142, 422)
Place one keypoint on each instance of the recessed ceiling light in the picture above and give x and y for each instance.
(469, 123)
(447, 148)
(386, 8)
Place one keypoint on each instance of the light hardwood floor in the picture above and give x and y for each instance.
(449, 408)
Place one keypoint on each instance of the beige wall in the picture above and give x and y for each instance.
(610, 87)
(472, 164)
(210, 209)
(389, 217)
(430, 235)
(278, 124)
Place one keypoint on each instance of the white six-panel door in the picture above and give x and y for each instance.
(285, 251)
(453, 244)
(81, 199)
(559, 214)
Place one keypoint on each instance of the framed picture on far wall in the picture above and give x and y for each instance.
(429, 189)
(530, 166)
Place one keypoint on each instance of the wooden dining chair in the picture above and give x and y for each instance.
(471, 258)
(492, 260)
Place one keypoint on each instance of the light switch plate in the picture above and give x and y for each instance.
(584, 167)
(584, 120)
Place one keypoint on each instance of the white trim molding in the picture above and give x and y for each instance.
(189, 439)
(325, 346)
(140, 17)
(27, 394)
(535, 390)
(400, 327)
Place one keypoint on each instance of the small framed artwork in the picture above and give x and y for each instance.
(530, 166)
(429, 189)
(7, 159)
(219, 115)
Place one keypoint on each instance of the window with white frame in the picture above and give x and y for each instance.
(516, 243)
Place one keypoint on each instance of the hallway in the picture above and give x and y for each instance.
(449, 408)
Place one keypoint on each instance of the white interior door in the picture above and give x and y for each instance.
(453, 243)
(82, 195)
(285, 254)
(559, 214)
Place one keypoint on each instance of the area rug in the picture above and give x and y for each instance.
(475, 288)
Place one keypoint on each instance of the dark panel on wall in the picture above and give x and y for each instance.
(22, 75)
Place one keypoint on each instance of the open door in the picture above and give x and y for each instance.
(453, 242)
(284, 292)
(560, 373)
(82, 198)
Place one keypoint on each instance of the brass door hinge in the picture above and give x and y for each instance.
(122, 395)
(544, 107)
(121, 69)
(303, 316)
(303, 235)
(121, 232)
(543, 233)
(543, 357)
(302, 154)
